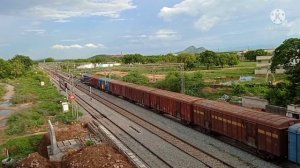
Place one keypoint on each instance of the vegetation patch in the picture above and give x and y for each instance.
(20, 147)
(68, 117)
(46, 100)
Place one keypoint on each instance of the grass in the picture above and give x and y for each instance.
(45, 99)
(20, 147)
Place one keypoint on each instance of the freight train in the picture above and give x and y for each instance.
(266, 133)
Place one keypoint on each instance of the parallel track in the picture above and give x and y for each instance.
(206, 158)
(97, 115)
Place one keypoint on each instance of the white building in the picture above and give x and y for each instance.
(263, 64)
(86, 66)
(293, 110)
(106, 65)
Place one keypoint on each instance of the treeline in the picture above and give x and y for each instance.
(15, 67)
(190, 60)
(252, 54)
(206, 58)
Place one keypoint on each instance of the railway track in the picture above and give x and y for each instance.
(207, 159)
(99, 117)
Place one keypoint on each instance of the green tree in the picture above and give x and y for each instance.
(252, 54)
(280, 94)
(17, 68)
(49, 59)
(172, 82)
(188, 59)
(223, 59)
(288, 56)
(25, 60)
(233, 59)
(208, 58)
(132, 58)
(169, 58)
(4, 69)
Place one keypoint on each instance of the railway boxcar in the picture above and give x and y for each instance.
(118, 87)
(139, 94)
(94, 82)
(263, 131)
(294, 143)
(175, 104)
(104, 84)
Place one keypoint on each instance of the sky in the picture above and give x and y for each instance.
(71, 29)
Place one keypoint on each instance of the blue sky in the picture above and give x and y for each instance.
(83, 28)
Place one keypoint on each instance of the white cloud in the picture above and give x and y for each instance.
(77, 46)
(164, 34)
(62, 11)
(62, 21)
(205, 23)
(91, 45)
(205, 14)
(188, 7)
(36, 31)
(62, 47)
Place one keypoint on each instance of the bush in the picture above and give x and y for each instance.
(238, 89)
(67, 117)
(19, 122)
(89, 143)
(136, 77)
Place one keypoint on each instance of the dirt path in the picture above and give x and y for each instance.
(10, 91)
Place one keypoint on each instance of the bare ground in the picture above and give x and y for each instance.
(101, 155)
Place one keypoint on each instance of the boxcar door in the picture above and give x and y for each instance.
(250, 134)
(207, 119)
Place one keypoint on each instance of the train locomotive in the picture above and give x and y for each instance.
(266, 133)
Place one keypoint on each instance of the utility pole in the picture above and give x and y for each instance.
(182, 78)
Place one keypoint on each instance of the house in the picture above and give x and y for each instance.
(86, 66)
(263, 64)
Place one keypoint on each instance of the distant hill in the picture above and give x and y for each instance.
(193, 49)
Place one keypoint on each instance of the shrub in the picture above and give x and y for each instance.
(238, 89)
(89, 143)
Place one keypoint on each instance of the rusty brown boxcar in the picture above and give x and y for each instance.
(94, 82)
(118, 87)
(139, 94)
(264, 131)
(175, 104)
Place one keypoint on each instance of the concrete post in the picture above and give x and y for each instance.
(52, 137)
